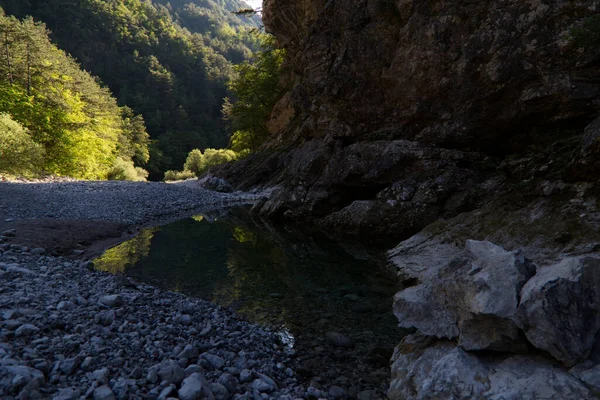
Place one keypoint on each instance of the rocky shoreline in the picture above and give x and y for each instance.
(507, 311)
(68, 332)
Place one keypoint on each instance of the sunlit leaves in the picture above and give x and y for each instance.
(62, 107)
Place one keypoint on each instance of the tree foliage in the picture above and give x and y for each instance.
(19, 154)
(198, 162)
(63, 108)
(168, 60)
(255, 89)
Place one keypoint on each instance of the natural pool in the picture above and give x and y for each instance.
(303, 285)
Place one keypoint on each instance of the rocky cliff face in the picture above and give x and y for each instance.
(468, 130)
(401, 112)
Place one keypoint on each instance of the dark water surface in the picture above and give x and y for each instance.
(303, 285)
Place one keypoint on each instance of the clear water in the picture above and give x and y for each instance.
(301, 284)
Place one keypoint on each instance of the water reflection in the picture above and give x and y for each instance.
(303, 285)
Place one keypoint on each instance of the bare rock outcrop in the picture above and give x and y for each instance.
(482, 305)
(473, 299)
(427, 369)
(396, 113)
(560, 309)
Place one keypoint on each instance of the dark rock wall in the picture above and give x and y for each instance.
(401, 112)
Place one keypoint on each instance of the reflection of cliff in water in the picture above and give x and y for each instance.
(307, 283)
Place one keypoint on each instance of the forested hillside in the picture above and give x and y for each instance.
(55, 117)
(175, 77)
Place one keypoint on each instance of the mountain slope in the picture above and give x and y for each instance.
(175, 78)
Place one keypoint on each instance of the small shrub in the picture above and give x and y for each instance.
(123, 170)
(19, 154)
(171, 176)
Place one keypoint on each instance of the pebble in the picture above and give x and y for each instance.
(26, 330)
(214, 361)
(104, 393)
(113, 300)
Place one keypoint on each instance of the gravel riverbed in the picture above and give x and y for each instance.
(70, 332)
(131, 203)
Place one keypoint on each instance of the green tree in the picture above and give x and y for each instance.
(198, 162)
(65, 110)
(19, 154)
(256, 90)
(161, 58)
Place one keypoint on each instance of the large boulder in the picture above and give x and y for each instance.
(473, 298)
(424, 368)
(560, 308)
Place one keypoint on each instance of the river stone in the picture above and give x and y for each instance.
(473, 298)
(213, 360)
(338, 340)
(525, 377)
(104, 393)
(229, 382)
(67, 394)
(136, 373)
(113, 300)
(19, 270)
(262, 386)
(219, 391)
(101, 375)
(195, 387)
(591, 377)
(152, 375)
(18, 376)
(171, 372)
(166, 392)
(188, 352)
(65, 306)
(26, 330)
(68, 366)
(560, 308)
(424, 368)
(215, 184)
(246, 375)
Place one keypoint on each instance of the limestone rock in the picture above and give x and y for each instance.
(473, 298)
(560, 308)
(426, 368)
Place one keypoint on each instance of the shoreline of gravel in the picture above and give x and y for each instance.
(130, 203)
(68, 332)
(80, 219)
